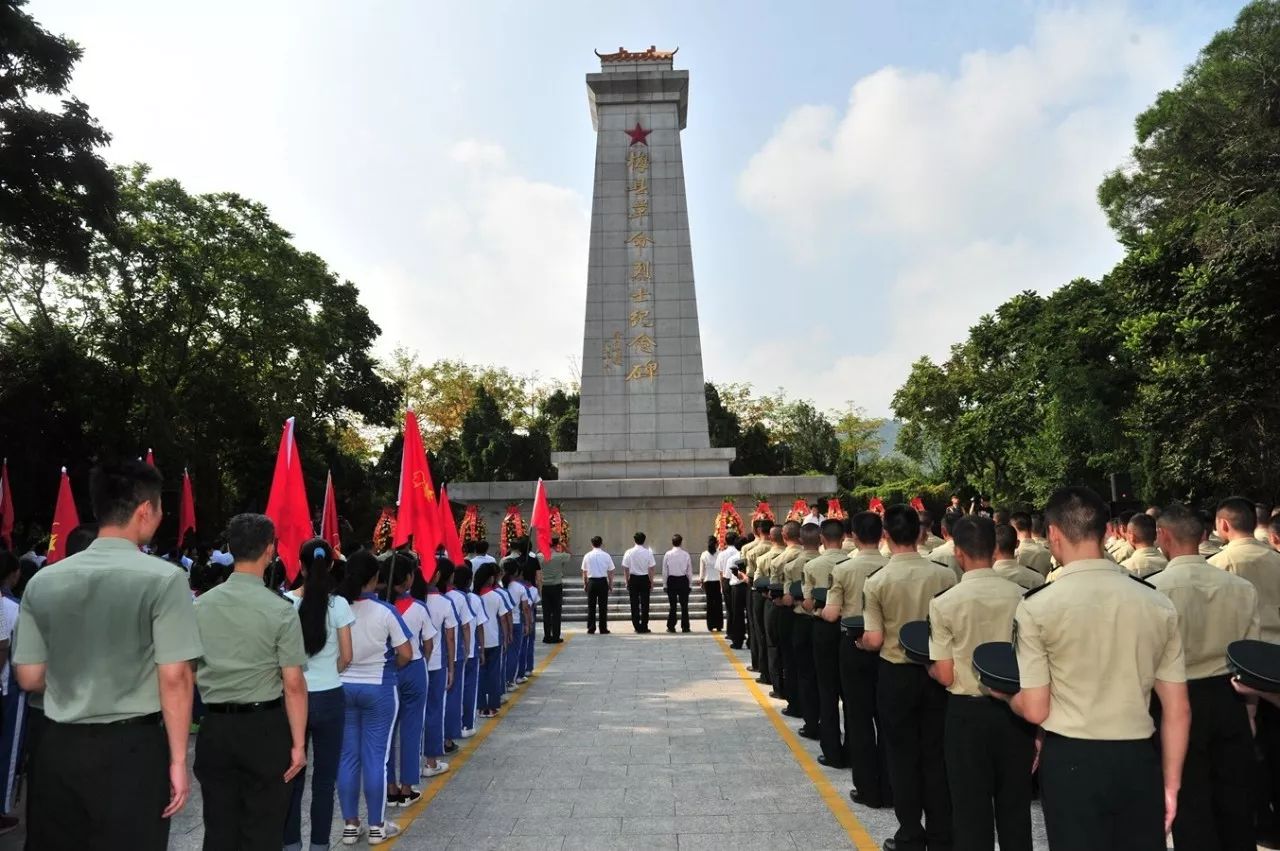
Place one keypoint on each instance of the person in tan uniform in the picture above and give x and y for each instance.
(1147, 558)
(1247, 557)
(773, 648)
(1091, 648)
(1262, 525)
(867, 755)
(945, 553)
(911, 705)
(1210, 544)
(1007, 566)
(826, 643)
(989, 750)
(1121, 547)
(780, 574)
(802, 623)
(751, 553)
(1214, 609)
(929, 541)
(850, 543)
(1029, 553)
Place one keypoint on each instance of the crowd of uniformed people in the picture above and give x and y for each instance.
(366, 671)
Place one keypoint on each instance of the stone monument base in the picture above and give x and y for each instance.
(616, 509)
(643, 463)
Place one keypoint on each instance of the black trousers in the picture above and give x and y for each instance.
(100, 787)
(1266, 790)
(37, 723)
(678, 594)
(638, 589)
(912, 711)
(864, 739)
(1215, 804)
(1119, 808)
(738, 614)
(552, 607)
(759, 644)
(806, 674)
(989, 752)
(787, 650)
(240, 763)
(751, 628)
(598, 596)
(826, 666)
(715, 606)
(777, 673)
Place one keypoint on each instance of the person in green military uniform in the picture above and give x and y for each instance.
(784, 617)
(945, 553)
(826, 643)
(1006, 564)
(802, 622)
(553, 592)
(1030, 552)
(751, 553)
(253, 740)
(1147, 558)
(108, 635)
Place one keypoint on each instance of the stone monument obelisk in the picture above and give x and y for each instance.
(644, 460)
(643, 410)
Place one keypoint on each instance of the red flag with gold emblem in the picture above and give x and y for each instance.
(448, 529)
(417, 515)
(65, 519)
(287, 505)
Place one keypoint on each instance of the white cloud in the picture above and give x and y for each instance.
(980, 183)
(499, 275)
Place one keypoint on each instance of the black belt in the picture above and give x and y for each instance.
(242, 708)
(152, 720)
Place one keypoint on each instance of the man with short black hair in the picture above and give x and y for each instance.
(734, 581)
(911, 705)
(945, 553)
(638, 563)
(252, 741)
(677, 578)
(110, 773)
(928, 541)
(1122, 547)
(1091, 647)
(1029, 552)
(1008, 567)
(769, 612)
(1147, 558)
(1262, 526)
(784, 616)
(754, 553)
(826, 643)
(597, 579)
(553, 592)
(802, 622)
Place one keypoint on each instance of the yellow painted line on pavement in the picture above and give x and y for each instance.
(465, 751)
(835, 801)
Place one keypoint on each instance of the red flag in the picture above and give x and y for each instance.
(540, 521)
(329, 517)
(6, 507)
(65, 519)
(186, 510)
(417, 514)
(151, 458)
(917, 504)
(287, 504)
(448, 530)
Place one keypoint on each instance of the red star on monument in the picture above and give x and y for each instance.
(638, 135)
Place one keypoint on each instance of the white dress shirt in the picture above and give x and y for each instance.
(638, 560)
(597, 564)
(709, 569)
(813, 517)
(676, 562)
(725, 559)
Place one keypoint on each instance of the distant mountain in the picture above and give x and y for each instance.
(889, 437)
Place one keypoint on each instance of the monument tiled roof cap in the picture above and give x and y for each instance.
(653, 54)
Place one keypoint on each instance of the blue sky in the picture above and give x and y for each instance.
(865, 179)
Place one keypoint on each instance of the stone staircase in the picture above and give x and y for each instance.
(575, 603)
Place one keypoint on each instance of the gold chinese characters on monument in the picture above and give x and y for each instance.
(642, 347)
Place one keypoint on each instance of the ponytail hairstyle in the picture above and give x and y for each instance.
(403, 565)
(462, 577)
(362, 565)
(444, 573)
(316, 559)
(484, 577)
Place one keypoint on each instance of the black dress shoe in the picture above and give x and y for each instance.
(548, 640)
(591, 632)
(792, 713)
(735, 646)
(869, 803)
(604, 632)
(822, 760)
(671, 629)
(806, 733)
(776, 696)
(890, 844)
(751, 668)
(686, 630)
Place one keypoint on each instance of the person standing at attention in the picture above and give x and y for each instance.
(709, 576)
(326, 637)
(638, 562)
(411, 684)
(677, 568)
(1092, 645)
(253, 740)
(553, 593)
(462, 580)
(109, 773)
(495, 633)
(597, 579)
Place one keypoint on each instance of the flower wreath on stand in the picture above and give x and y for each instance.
(799, 509)
(728, 520)
(384, 531)
(472, 528)
(512, 530)
(763, 512)
(835, 511)
(560, 529)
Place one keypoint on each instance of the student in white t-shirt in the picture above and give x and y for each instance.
(411, 686)
(441, 667)
(453, 697)
(520, 622)
(471, 667)
(496, 635)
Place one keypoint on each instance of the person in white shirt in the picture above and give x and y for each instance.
(677, 574)
(638, 562)
(462, 580)
(453, 697)
(736, 578)
(597, 579)
(482, 556)
(441, 668)
(411, 686)
(495, 635)
(518, 595)
(709, 576)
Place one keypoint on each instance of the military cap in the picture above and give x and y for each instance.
(996, 665)
(914, 638)
(1256, 664)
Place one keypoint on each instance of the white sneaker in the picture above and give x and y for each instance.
(441, 768)
(381, 833)
(468, 732)
(351, 834)
(521, 680)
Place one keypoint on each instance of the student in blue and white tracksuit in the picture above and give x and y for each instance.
(495, 636)
(471, 668)
(529, 576)
(513, 618)
(440, 667)
(380, 642)
(411, 686)
(453, 698)
(520, 623)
